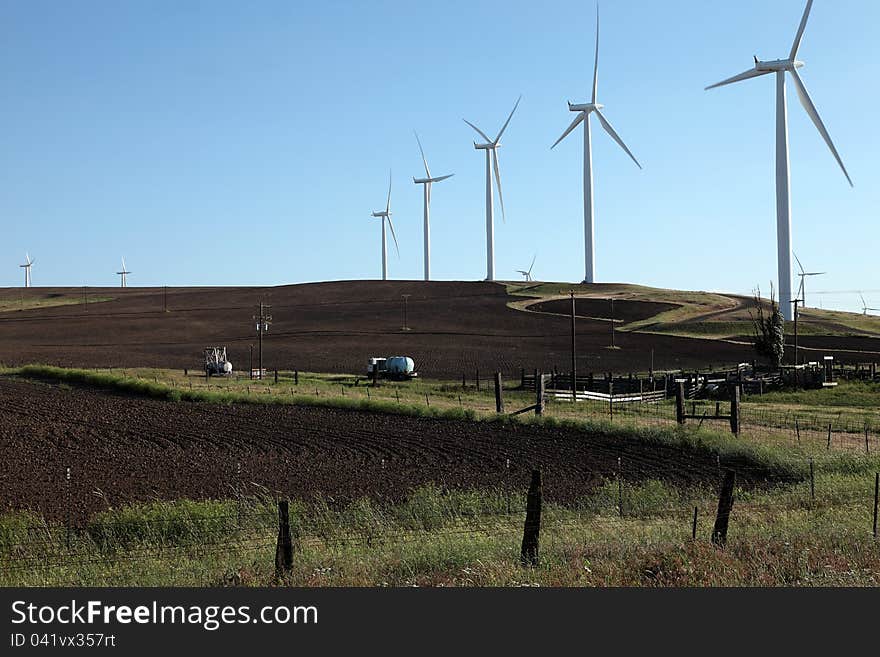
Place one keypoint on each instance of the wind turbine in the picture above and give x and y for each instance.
(123, 274)
(804, 274)
(383, 215)
(783, 195)
(865, 307)
(491, 147)
(427, 182)
(528, 274)
(27, 269)
(583, 116)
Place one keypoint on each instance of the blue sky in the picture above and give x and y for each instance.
(223, 142)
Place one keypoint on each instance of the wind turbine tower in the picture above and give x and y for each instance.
(426, 183)
(27, 269)
(491, 147)
(783, 195)
(123, 275)
(583, 115)
(384, 215)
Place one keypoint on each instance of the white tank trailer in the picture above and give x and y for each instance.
(216, 363)
(392, 367)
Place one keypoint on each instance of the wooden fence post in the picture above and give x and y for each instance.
(532, 528)
(734, 411)
(499, 400)
(478, 378)
(876, 499)
(829, 437)
(611, 399)
(463, 381)
(679, 402)
(694, 526)
(284, 547)
(539, 393)
(812, 480)
(725, 506)
(296, 377)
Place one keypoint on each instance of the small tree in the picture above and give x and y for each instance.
(769, 329)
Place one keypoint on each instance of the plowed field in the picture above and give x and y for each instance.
(123, 449)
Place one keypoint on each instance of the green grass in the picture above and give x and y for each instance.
(847, 394)
(436, 537)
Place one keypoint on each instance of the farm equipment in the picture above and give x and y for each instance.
(400, 368)
(216, 363)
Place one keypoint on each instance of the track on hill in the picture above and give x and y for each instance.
(124, 449)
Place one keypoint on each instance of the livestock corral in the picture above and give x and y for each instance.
(138, 468)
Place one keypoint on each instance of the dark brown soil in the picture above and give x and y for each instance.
(124, 449)
(624, 309)
(334, 327)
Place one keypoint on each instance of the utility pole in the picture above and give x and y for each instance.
(405, 304)
(796, 302)
(263, 320)
(573, 352)
(612, 322)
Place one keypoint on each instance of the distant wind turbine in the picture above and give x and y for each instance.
(528, 274)
(491, 147)
(123, 275)
(865, 307)
(804, 274)
(427, 182)
(27, 269)
(783, 196)
(584, 111)
(383, 215)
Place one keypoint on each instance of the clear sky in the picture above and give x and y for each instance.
(222, 143)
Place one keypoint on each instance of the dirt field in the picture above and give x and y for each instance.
(624, 310)
(334, 327)
(124, 449)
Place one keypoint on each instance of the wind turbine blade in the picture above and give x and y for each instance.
(482, 134)
(596, 66)
(863, 299)
(504, 127)
(615, 136)
(746, 75)
(388, 202)
(807, 102)
(800, 33)
(442, 178)
(574, 124)
(424, 159)
(498, 182)
(391, 226)
(800, 266)
(533, 263)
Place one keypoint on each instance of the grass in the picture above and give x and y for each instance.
(11, 304)
(466, 538)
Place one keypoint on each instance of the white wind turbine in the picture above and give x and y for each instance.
(584, 111)
(491, 147)
(27, 269)
(865, 307)
(783, 195)
(804, 274)
(383, 215)
(528, 274)
(427, 182)
(123, 275)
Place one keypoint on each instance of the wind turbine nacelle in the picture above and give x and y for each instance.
(421, 181)
(778, 65)
(584, 107)
(486, 147)
(379, 215)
